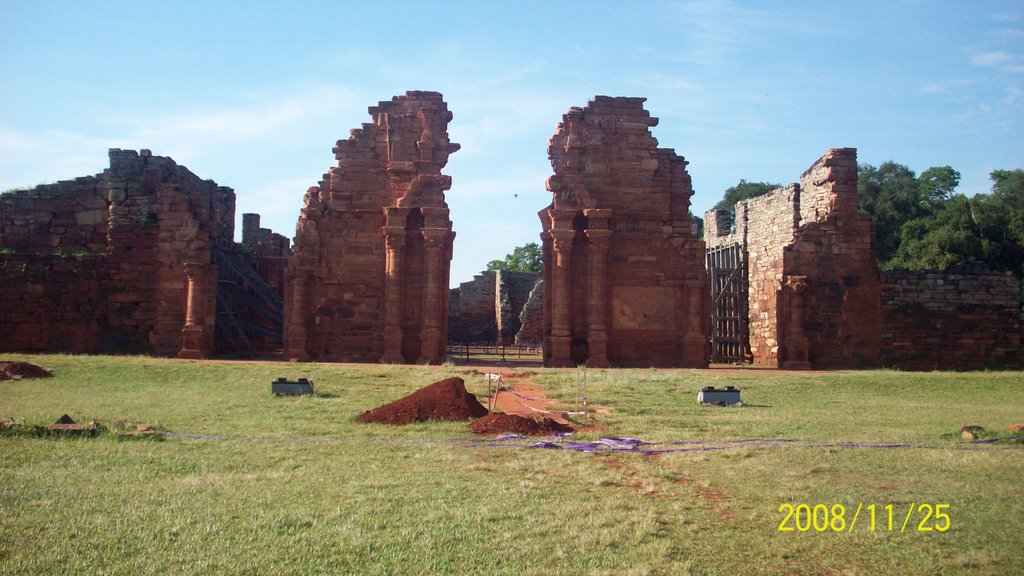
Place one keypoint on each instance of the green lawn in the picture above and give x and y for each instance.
(296, 486)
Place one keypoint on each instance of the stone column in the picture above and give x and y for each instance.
(297, 322)
(561, 304)
(394, 237)
(193, 331)
(695, 341)
(797, 344)
(434, 240)
(598, 235)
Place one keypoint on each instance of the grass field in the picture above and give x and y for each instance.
(296, 486)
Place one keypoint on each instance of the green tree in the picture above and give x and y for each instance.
(891, 194)
(743, 191)
(525, 258)
(938, 183)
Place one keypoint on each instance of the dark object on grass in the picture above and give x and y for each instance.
(443, 400)
(711, 395)
(66, 425)
(285, 387)
(498, 423)
(16, 370)
(970, 432)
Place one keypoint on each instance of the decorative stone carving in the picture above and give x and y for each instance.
(375, 236)
(617, 234)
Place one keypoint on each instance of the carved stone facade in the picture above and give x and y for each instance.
(623, 269)
(368, 280)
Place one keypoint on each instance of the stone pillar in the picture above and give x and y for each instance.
(434, 241)
(193, 333)
(395, 241)
(562, 236)
(598, 235)
(797, 344)
(695, 341)
(297, 323)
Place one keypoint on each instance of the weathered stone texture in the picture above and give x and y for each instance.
(472, 310)
(487, 309)
(145, 230)
(531, 317)
(963, 318)
(813, 279)
(368, 280)
(624, 274)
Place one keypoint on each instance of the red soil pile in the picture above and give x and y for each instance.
(12, 370)
(444, 400)
(498, 423)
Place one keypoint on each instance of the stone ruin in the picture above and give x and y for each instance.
(489, 309)
(623, 268)
(816, 299)
(368, 280)
(140, 259)
(126, 261)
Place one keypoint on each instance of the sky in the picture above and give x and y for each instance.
(255, 94)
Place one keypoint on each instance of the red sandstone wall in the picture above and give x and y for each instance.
(959, 319)
(813, 280)
(624, 279)
(368, 280)
(148, 217)
(769, 224)
(53, 303)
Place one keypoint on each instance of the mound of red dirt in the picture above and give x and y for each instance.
(443, 400)
(498, 423)
(12, 370)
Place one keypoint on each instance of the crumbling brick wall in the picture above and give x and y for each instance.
(624, 273)
(487, 309)
(144, 229)
(368, 280)
(966, 317)
(531, 317)
(472, 312)
(813, 291)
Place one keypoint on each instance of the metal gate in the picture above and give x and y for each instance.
(727, 268)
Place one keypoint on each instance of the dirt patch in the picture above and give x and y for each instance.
(443, 400)
(498, 423)
(18, 370)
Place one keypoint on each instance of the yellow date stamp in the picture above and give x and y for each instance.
(917, 517)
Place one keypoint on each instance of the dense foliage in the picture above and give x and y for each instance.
(525, 258)
(921, 222)
(743, 191)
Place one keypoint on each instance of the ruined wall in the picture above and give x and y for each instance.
(771, 225)
(623, 270)
(512, 290)
(813, 291)
(472, 311)
(839, 307)
(268, 252)
(144, 229)
(487, 309)
(964, 318)
(531, 317)
(368, 280)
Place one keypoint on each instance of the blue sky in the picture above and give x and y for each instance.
(255, 94)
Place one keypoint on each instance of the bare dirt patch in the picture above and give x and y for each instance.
(10, 370)
(515, 424)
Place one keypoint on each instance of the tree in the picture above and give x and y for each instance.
(891, 194)
(938, 183)
(743, 191)
(525, 258)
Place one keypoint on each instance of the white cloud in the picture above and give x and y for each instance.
(990, 59)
